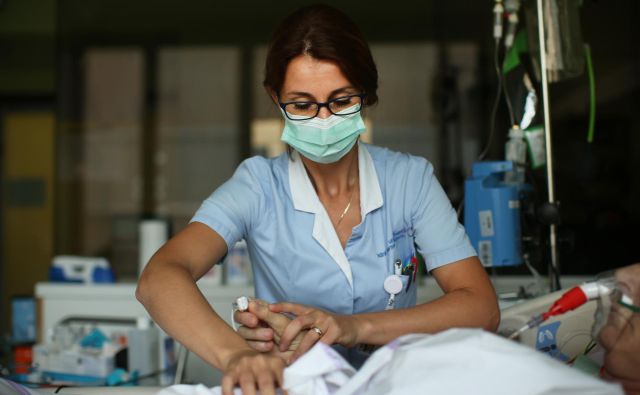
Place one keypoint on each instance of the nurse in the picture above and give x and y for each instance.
(333, 226)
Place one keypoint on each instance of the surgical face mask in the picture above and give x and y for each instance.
(323, 140)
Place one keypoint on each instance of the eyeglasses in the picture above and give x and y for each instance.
(303, 110)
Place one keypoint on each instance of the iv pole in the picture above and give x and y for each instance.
(554, 273)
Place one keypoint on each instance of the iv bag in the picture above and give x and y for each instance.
(563, 38)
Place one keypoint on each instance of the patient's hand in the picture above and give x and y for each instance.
(263, 328)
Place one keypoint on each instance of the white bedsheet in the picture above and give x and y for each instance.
(457, 361)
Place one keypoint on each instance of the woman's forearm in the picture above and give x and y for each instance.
(173, 300)
(458, 308)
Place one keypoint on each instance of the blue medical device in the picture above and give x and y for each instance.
(492, 214)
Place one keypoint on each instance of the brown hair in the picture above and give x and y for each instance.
(324, 33)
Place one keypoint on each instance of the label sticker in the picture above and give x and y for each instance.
(546, 341)
(485, 252)
(486, 223)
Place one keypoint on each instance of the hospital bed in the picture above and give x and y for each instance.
(571, 332)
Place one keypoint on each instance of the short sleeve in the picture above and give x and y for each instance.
(440, 238)
(235, 206)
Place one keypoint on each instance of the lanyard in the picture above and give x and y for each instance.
(393, 285)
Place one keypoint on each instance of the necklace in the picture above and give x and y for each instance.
(346, 209)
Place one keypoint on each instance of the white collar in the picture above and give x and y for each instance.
(306, 199)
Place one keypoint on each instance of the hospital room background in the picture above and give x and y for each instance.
(117, 118)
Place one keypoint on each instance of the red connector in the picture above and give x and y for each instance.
(573, 298)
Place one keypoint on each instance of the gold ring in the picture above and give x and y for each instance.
(317, 330)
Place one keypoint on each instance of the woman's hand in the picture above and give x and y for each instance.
(253, 371)
(318, 325)
(262, 329)
(256, 332)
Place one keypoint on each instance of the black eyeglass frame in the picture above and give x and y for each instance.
(282, 105)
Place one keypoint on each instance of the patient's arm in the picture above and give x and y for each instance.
(254, 331)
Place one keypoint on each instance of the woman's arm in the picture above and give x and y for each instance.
(167, 289)
(469, 301)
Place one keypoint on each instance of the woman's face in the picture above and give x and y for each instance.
(309, 79)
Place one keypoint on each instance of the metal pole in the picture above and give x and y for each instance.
(183, 353)
(554, 273)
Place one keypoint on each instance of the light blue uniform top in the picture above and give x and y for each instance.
(295, 252)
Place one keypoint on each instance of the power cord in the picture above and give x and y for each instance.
(496, 102)
(492, 122)
(507, 97)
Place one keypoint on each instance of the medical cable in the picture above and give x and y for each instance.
(570, 300)
(494, 111)
(498, 11)
(592, 93)
(590, 346)
(498, 30)
(561, 344)
(507, 98)
(587, 349)
(512, 24)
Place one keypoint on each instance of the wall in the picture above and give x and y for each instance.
(27, 209)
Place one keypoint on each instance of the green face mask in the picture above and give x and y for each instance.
(323, 140)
